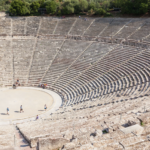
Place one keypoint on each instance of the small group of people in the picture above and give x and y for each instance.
(21, 110)
(43, 85)
(84, 18)
(16, 84)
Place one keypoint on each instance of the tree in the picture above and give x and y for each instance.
(137, 7)
(34, 7)
(106, 5)
(83, 5)
(143, 8)
(51, 7)
(92, 6)
(18, 7)
(68, 7)
(42, 3)
(100, 11)
(76, 6)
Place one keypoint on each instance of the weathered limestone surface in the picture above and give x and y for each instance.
(51, 144)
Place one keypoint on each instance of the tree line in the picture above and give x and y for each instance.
(79, 7)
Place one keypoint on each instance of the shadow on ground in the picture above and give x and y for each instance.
(3, 114)
(17, 111)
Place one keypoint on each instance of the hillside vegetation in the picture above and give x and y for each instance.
(79, 7)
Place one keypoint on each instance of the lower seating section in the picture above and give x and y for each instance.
(90, 125)
(132, 72)
(123, 63)
(102, 92)
(6, 66)
(43, 56)
(67, 55)
(22, 53)
(89, 57)
(7, 137)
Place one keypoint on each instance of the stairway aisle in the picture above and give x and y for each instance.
(20, 142)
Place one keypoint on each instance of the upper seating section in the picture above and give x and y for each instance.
(48, 26)
(5, 26)
(124, 28)
(19, 26)
(114, 27)
(143, 31)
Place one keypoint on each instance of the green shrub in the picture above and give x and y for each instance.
(100, 11)
(18, 7)
(104, 131)
(34, 7)
(108, 15)
(142, 123)
(51, 7)
(92, 6)
(83, 5)
(82, 13)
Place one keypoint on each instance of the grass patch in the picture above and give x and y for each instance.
(104, 131)
(142, 123)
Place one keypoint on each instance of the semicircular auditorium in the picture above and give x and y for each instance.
(100, 67)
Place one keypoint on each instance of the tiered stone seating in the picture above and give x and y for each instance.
(48, 26)
(102, 67)
(142, 32)
(22, 53)
(6, 71)
(32, 25)
(63, 26)
(19, 26)
(97, 26)
(80, 26)
(130, 28)
(91, 55)
(43, 56)
(114, 27)
(63, 60)
(5, 26)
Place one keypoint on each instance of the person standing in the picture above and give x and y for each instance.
(7, 111)
(37, 117)
(45, 107)
(21, 109)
